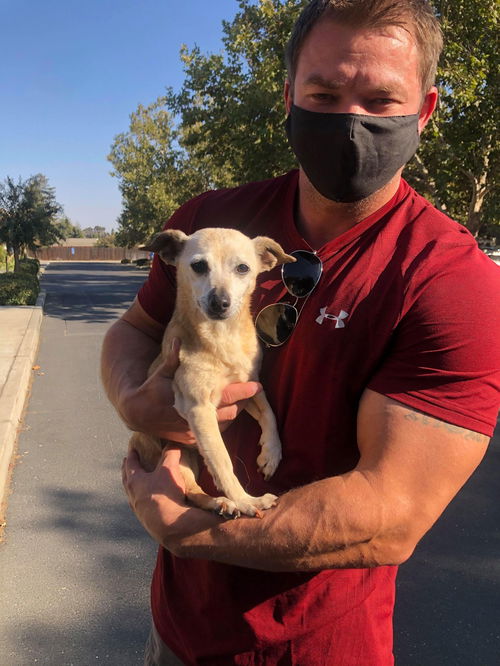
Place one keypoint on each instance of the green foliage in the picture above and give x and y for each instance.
(458, 163)
(18, 288)
(230, 123)
(93, 232)
(29, 266)
(225, 125)
(28, 213)
(106, 240)
(145, 160)
(231, 105)
(67, 229)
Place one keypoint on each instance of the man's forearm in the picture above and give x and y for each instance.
(127, 354)
(338, 522)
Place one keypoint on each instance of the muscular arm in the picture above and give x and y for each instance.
(411, 467)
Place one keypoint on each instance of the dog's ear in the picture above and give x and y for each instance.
(271, 253)
(167, 244)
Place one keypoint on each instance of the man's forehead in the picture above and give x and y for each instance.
(381, 58)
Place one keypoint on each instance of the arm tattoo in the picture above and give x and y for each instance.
(470, 435)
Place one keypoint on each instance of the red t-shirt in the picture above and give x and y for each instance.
(408, 306)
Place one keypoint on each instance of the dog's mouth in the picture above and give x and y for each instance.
(218, 316)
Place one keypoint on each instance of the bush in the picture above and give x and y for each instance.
(31, 266)
(18, 288)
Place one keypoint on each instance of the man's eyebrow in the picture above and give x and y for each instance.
(319, 80)
(387, 89)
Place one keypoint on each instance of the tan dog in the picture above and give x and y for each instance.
(216, 274)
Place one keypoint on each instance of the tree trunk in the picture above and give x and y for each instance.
(479, 190)
(16, 259)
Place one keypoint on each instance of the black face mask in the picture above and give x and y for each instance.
(347, 156)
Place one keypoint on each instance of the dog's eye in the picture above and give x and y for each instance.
(242, 269)
(200, 267)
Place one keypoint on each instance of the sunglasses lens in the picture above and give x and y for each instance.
(275, 323)
(302, 276)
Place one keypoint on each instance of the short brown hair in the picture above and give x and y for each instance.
(416, 16)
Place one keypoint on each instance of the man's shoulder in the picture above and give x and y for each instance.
(424, 223)
(232, 207)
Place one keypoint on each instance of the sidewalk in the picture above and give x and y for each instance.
(19, 336)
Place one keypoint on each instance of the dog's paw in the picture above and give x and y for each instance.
(268, 460)
(247, 506)
(225, 507)
(255, 506)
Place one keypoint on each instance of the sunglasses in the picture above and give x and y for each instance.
(275, 323)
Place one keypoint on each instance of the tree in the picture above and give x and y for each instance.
(225, 125)
(231, 105)
(229, 129)
(68, 229)
(458, 163)
(151, 171)
(28, 214)
(93, 232)
(107, 240)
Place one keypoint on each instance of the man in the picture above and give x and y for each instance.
(386, 392)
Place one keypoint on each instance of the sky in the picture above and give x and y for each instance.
(72, 72)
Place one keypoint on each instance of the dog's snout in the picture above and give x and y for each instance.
(218, 303)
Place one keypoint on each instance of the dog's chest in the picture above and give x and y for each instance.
(238, 360)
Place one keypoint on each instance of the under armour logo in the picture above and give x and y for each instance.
(339, 319)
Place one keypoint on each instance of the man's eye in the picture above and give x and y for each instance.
(200, 267)
(323, 97)
(242, 269)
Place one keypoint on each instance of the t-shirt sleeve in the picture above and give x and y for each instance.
(157, 294)
(444, 358)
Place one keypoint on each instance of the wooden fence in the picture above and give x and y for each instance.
(86, 253)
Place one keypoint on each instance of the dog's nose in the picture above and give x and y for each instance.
(218, 302)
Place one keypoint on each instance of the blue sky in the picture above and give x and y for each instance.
(72, 71)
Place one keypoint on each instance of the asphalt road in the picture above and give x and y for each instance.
(75, 566)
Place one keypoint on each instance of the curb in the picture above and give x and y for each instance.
(15, 394)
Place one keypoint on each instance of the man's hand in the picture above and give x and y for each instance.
(150, 408)
(158, 500)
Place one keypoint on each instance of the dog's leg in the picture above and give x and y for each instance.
(196, 495)
(203, 422)
(149, 449)
(270, 443)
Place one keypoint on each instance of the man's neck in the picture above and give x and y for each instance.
(320, 220)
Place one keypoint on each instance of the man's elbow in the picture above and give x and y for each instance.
(399, 542)
(391, 551)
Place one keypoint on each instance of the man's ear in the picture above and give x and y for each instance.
(288, 96)
(167, 244)
(428, 108)
(270, 253)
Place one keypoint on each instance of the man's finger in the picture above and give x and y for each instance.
(171, 455)
(171, 362)
(239, 391)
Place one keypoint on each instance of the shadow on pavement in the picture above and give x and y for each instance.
(448, 606)
(76, 292)
(101, 596)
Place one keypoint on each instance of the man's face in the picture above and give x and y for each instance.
(375, 72)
